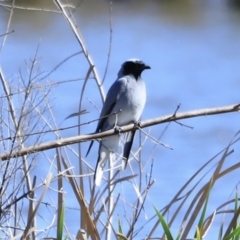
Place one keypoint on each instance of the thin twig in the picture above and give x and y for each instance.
(2, 35)
(59, 64)
(110, 43)
(50, 84)
(12, 6)
(82, 44)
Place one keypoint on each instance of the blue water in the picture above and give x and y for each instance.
(194, 52)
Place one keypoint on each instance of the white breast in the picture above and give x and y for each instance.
(131, 102)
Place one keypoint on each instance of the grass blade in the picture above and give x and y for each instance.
(164, 225)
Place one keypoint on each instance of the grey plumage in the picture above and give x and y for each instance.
(126, 98)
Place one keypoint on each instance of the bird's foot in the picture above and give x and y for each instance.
(137, 124)
(117, 130)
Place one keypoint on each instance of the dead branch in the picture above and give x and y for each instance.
(143, 124)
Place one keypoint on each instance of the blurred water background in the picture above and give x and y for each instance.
(193, 48)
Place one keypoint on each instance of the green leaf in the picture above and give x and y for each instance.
(199, 233)
(164, 225)
(60, 223)
(233, 234)
(120, 228)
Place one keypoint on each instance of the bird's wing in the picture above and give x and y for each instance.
(113, 96)
(127, 148)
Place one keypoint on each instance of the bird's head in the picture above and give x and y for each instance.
(133, 67)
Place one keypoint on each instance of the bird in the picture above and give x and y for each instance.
(124, 104)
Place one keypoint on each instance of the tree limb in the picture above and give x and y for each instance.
(143, 124)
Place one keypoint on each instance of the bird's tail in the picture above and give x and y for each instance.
(102, 160)
(127, 148)
(99, 172)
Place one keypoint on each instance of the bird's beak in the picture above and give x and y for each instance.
(146, 67)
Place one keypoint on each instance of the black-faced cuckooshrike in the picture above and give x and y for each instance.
(126, 98)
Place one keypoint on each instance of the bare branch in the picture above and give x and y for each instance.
(79, 38)
(127, 128)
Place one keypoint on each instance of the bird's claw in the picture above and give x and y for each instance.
(117, 130)
(137, 124)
